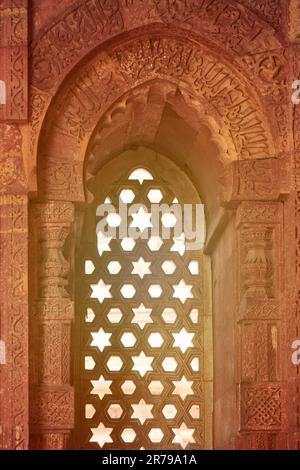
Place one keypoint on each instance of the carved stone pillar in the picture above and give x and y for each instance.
(13, 322)
(261, 391)
(294, 334)
(13, 226)
(257, 267)
(293, 312)
(52, 395)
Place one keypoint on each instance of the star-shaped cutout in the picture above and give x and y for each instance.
(101, 291)
(182, 291)
(141, 267)
(101, 387)
(142, 411)
(141, 219)
(183, 435)
(142, 316)
(142, 363)
(183, 387)
(179, 244)
(101, 435)
(183, 340)
(101, 339)
(103, 243)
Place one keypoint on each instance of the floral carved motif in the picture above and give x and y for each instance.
(14, 22)
(270, 67)
(12, 176)
(38, 106)
(14, 58)
(14, 321)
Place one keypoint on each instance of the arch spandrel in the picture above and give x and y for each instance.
(90, 23)
(258, 50)
(98, 84)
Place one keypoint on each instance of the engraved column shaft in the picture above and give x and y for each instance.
(52, 397)
(13, 322)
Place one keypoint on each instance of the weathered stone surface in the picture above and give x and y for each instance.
(14, 59)
(206, 83)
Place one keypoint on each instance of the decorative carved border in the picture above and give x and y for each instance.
(14, 321)
(14, 59)
(89, 23)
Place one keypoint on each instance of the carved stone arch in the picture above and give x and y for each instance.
(234, 121)
(145, 117)
(93, 22)
(107, 76)
(253, 239)
(157, 94)
(258, 50)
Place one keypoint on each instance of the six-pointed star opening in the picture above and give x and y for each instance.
(101, 291)
(182, 291)
(183, 387)
(142, 363)
(101, 387)
(141, 267)
(183, 435)
(142, 411)
(183, 340)
(141, 219)
(101, 435)
(142, 316)
(101, 339)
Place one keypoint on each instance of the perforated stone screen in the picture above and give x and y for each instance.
(141, 328)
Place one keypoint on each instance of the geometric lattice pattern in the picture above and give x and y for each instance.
(262, 406)
(142, 347)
